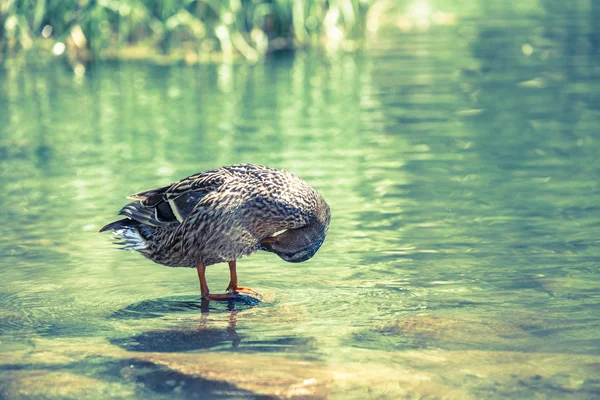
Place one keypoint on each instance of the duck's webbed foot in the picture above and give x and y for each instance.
(239, 289)
(233, 286)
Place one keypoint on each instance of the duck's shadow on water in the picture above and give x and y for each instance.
(216, 327)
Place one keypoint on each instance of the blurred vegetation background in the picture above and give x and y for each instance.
(177, 30)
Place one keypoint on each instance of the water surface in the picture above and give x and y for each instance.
(460, 161)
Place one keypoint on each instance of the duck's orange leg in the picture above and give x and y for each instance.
(233, 283)
(204, 287)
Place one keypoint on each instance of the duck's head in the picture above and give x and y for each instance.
(297, 245)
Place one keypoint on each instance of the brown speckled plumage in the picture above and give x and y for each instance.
(225, 214)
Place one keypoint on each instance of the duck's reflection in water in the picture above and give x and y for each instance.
(231, 326)
(215, 329)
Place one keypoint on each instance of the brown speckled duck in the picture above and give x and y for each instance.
(222, 215)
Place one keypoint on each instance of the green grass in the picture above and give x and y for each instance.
(191, 30)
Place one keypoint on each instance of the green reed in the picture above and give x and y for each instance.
(181, 29)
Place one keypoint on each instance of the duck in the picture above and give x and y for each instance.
(222, 215)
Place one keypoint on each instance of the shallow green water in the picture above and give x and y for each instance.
(462, 259)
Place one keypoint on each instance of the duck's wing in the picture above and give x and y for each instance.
(170, 205)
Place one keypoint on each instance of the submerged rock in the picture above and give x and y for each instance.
(443, 332)
(181, 374)
(257, 374)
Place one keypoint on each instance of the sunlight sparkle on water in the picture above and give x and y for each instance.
(420, 10)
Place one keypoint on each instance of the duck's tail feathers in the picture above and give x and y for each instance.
(128, 234)
(120, 224)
